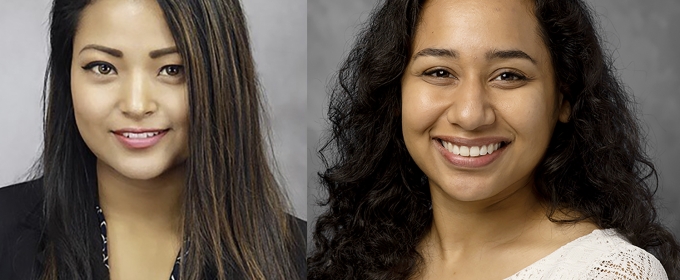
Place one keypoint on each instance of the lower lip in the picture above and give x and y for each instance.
(467, 162)
(140, 143)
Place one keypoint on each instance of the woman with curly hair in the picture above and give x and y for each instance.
(486, 140)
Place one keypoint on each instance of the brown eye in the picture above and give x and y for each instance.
(439, 73)
(509, 76)
(104, 69)
(172, 70)
(100, 68)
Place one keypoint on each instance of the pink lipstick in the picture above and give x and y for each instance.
(139, 138)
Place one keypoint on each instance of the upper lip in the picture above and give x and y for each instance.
(473, 142)
(138, 130)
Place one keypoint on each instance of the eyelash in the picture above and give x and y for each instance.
(180, 70)
(92, 65)
(434, 73)
(518, 76)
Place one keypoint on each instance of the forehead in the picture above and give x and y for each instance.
(124, 24)
(467, 25)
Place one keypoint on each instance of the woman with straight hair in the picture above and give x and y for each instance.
(154, 162)
(486, 139)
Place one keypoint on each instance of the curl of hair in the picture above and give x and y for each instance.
(378, 199)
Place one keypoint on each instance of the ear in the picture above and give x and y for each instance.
(564, 110)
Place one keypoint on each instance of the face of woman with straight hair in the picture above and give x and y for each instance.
(479, 101)
(128, 88)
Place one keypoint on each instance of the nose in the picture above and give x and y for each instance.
(136, 97)
(470, 108)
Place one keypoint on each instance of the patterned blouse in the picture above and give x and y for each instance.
(105, 254)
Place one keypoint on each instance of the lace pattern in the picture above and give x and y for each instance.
(602, 254)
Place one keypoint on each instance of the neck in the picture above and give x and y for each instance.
(153, 203)
(460, 227)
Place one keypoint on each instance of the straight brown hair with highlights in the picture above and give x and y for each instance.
(235, 217)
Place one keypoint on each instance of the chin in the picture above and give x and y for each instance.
(142, 173)
(467, 192)
(469, 196)
(137, 169)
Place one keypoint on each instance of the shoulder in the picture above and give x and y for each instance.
(17, 203)
(622, 260)
(602, 254)
(20, 211)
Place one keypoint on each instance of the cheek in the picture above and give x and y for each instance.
(530, 116)
(420, 108)
(91, 105)
(176, 104)
(176, 107)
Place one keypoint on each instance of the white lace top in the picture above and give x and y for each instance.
(602, 254)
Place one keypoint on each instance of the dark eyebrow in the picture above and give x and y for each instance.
(158, 53)
(436, 52)
(491, 55)
(113, 52)
(509, 54)
(119, 54)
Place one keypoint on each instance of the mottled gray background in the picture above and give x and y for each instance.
(645, 34)
(278, 32)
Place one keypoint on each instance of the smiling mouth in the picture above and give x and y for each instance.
(140, 139)
(472, 151)
(139, 134)
(142, 135)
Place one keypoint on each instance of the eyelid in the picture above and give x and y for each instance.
(90, 67)
(165, 68)
(521, 76)
(429, 72)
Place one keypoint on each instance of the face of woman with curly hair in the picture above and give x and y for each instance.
(479, 102)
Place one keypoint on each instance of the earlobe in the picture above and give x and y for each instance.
(565, 111)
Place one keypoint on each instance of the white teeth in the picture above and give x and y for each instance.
(464, 151)
(140, 135)
(472, 151)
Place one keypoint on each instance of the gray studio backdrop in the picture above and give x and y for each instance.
(644, 33)
(279, 38)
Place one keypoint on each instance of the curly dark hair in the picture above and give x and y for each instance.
(378, 199)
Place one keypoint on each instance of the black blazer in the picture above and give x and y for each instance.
(21, 250)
